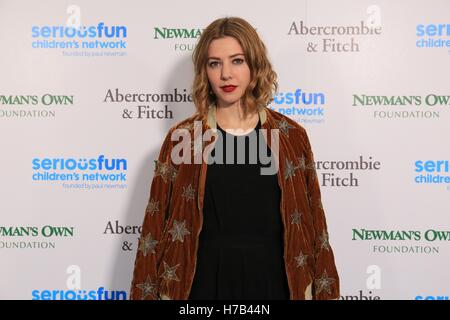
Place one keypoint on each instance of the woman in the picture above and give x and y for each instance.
(217, 229)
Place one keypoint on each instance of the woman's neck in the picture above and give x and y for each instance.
(233, 117)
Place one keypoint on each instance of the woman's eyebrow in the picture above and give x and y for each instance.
(232, 56)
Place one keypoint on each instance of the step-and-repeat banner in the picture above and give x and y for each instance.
(89, 89)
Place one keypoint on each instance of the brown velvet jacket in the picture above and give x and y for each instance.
(166, 258)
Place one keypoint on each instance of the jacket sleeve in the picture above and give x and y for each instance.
(145, 282)
(326, 279)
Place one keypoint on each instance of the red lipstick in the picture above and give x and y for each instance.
(228, 88)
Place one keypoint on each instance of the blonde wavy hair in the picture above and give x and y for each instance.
(263, 82)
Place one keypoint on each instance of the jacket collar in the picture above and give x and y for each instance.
(211, 117)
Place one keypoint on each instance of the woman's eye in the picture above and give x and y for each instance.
(212, 64)
(239, 61)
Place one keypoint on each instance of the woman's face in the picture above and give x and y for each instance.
(228, 72)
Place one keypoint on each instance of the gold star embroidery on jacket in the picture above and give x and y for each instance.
(153, 207)
(148, 288)
(147, 244)
(295, 217)
(284, 126)
(166, 171)
(170, 272)
(324, 283)
(324, 244)
(301, 260)
(289, 170)
(304, 165)
(302, 162)
(188, 193)
(179, 230)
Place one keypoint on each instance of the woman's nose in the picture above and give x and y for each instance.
(226, 72)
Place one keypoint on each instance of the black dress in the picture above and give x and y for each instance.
(240, 253)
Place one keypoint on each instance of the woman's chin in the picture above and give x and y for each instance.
(227, 102)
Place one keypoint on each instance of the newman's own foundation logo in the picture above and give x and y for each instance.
(33, 237)
(402, 241)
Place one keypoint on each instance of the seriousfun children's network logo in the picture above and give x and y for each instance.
(76, 39)
(75, 291)
(98, 294)
(432, 172)
(301, 106)
(427, 297)
(433, 36)
(81, 173)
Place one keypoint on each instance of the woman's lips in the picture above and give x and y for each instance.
(228, 88)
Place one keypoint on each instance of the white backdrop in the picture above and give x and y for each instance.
(77, 152)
